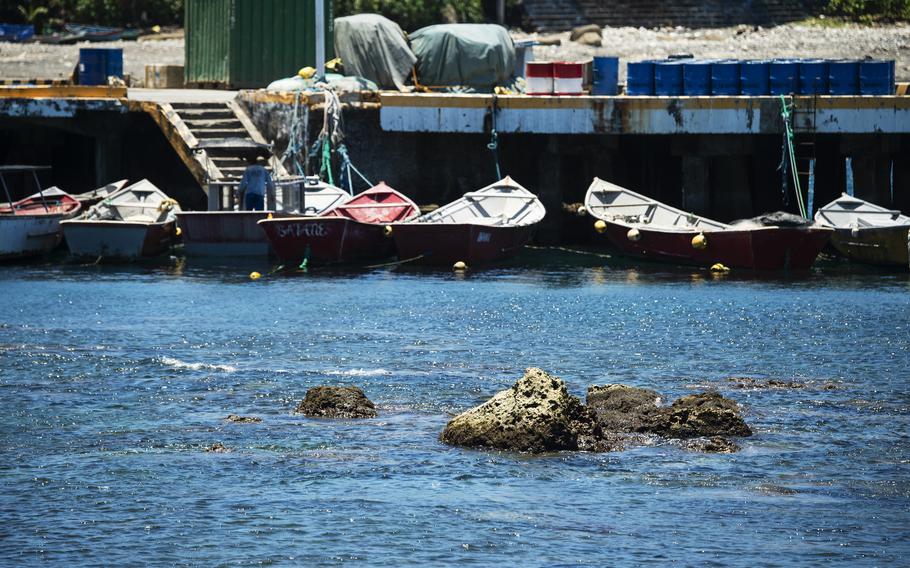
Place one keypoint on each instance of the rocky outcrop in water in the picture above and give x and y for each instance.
(536, 415)
(621, 408)
(217, 448)
(705, 414)
(237, 419)
(712, 445)
(336, 402)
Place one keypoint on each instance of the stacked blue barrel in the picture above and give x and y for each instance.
(732, 77)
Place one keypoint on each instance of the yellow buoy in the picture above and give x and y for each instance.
(255, 275)
(306, 72)
(387, 230)
(581, 211)
(718, 267)
(178, 231)
(699, 242)
(634, 235)
(269, 216)
(460, 265)
(600, 225)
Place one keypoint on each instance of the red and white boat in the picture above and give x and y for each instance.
(642, 227)
(31, 226)
(486, 225)
(230, 232)
(133, 222)
(354, 231)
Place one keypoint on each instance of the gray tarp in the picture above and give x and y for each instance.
(474, 55)
(375, 48)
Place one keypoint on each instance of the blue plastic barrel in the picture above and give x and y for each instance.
(876, 77)
(813, 77)
(668, 78)
(843, 77)
(755, 78)
(784, 77)
(696, 78)
(97, 64)
(606, 76)
(640, 78)
(725, 78)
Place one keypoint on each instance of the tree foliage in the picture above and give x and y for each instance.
(414, 14)
(870, 10)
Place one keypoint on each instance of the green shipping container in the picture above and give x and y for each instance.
(243, 44)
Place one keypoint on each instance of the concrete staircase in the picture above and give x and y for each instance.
(214, 139)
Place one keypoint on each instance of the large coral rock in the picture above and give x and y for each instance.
(706, 414)
(536, 415)
(336, 402)
(621, 408)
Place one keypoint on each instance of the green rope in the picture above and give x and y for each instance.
(785, 114)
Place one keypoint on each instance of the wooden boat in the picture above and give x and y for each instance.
(487, 225)
(353, 231)
(94, 33)
(137, 221)
(866, 232)
(236, 233)
(640, 226)
(92, 197)
(31, 226)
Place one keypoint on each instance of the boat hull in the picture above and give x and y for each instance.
(764, 248)
(442, 244)
(331, 240)
(118, 239)
(22, 236)
(881, 246)
(223, 233)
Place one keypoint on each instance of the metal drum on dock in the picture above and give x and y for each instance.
(755, 78)
(725, 78)
(696, 78)
(843, 77)
(640, 78)
(784, 77)
(876, 77)
(668, 78)
(606, 76)
(813, 77)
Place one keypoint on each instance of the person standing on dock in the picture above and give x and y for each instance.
(254, 184)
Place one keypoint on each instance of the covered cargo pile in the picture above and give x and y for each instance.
(374, 47)
(480, 56)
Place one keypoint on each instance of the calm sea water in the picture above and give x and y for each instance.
(114, 380)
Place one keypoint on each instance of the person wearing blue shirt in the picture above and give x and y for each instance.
(255, 183)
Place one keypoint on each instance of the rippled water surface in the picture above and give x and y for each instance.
(113, 381)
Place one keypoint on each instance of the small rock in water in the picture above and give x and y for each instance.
(621, 408)
(336, 402)
(243, 419)
(706, 414)
(712, 445)
(218, 448)
(536, 415)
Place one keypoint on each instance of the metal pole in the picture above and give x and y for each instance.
(40, 191)
(501, 12)
(6, 189)
(320, 39)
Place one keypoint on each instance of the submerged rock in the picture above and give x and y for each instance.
(217, 448)
(336, 402)
(621, 408)
(243, 419)
(706, 414)
(536, 415)
(712, 445)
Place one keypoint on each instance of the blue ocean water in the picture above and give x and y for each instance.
(114, 380)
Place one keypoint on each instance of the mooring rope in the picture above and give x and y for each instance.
(493, 146)
(788, 137)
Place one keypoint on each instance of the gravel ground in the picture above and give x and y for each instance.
(630, 44)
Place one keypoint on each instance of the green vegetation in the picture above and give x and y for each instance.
(414, 14)
(870, 10)
(54, 13)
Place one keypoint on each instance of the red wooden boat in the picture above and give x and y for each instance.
(487, 225)
(31, 226)
(640, 226)
(353, 231)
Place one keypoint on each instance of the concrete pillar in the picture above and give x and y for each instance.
(550, 192)
(108, 158)
(696, 185)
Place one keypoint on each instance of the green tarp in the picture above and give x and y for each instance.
(375, 48)
(472, 55)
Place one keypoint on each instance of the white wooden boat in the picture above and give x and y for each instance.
(226, 231)
(136, 221)
(486, 225)
(92, 197)
(866, 232)
(640, 226)
(31, 226)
